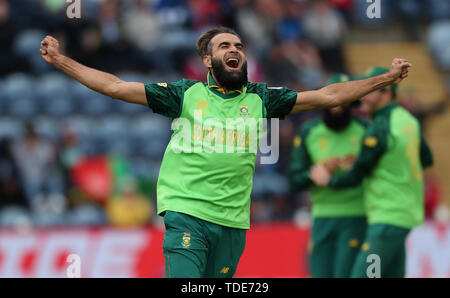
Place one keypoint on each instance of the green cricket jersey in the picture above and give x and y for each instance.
(316, 143)
(197, 176)
(392, 157)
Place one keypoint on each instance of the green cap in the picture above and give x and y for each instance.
(376, 71)
(338, 78)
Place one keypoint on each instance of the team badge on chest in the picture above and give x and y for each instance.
(244, 111)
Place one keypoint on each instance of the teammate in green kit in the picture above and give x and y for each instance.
(203, 194)
(391, 160)
(339, 221)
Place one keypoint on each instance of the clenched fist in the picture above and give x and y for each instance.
(399, 70)
(50, 49)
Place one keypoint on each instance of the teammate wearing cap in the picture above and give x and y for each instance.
(391, 162)
(339, 221)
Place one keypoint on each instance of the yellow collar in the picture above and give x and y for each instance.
(212, 84)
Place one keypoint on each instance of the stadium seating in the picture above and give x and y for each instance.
(17, 85)
(48, 127)
(15, 216)
(26, 45)
(86, 214)
(48, 209)
(11, 128)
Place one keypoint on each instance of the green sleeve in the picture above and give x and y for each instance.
(279, 101)
(166, 98)
(300, 163)
(426, 157)
(374, 145)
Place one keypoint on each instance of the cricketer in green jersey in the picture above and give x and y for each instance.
(339, 221)
(203, 196)
(391, 162)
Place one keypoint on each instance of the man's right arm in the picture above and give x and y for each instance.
(342, 93)
(96, 80)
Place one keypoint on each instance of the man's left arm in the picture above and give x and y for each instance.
(342, 93)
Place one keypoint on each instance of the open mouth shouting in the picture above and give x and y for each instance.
(233, 63)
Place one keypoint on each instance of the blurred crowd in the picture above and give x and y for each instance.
(70, 156)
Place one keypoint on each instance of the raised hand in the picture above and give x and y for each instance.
(399, 70)
(50, 49)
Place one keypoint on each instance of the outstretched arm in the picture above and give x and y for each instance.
(342, 93)
(96, 80)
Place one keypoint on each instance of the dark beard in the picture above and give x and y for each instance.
(229, 80)
(337, 122)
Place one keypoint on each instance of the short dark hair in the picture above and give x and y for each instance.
(204, 41)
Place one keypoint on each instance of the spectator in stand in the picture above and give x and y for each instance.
(35, 158)
(10, 188)
(301, 56)
(109, 21)
(326, 29)
(9, 61)
(258, 23)
(410, 12)
(144, 31)
(345, 7)
(70, 153)
(205, 13)
(130, 209)
(141, 26)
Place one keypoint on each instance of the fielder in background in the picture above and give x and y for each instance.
(339, 221)
(391, 163)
